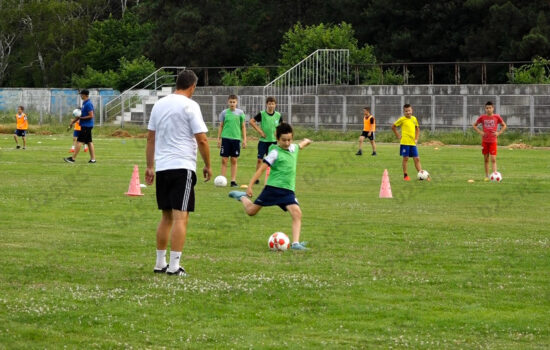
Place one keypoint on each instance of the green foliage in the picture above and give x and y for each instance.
(300, 41)
(377, 76)
(537, 72)
(250, 76)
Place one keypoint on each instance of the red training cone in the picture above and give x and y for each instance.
(134, 189)
(385, 188)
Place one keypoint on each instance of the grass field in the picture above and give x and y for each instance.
(444, 264)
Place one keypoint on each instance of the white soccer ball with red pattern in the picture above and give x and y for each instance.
(423, 175)
(278, 242)
(496, 177)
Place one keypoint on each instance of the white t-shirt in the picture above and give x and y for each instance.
(176, 119)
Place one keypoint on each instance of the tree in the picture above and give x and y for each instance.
(537, 72)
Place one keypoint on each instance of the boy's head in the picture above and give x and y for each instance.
(232, 101)
(366, 111)
(284, 135)
(20, 109)
(186, 79)
(407, 110)
(270, 103)
(489, 108)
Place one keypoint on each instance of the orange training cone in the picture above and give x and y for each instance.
(385, 188)
(267, 173)
(134, 189)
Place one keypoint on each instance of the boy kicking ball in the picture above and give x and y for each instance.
(281, 183)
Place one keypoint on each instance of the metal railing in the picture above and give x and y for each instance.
(120, 105)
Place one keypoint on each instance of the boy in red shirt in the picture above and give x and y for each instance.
(490, 122)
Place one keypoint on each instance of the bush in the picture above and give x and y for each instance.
(537, 72)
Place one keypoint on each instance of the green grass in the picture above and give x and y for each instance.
(444, 264)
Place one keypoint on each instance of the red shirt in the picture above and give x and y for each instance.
(490, 126)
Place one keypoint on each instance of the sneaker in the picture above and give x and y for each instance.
(373, 154)
(359, 153)
(234, 184)
(72, 150)
(407, 178)
(298, 246)
(69, 159)
(91, 161)
(85, 149)
(17, 147)
(237, 194)
(163, 270)
(178, 272)
(257, 182)
(24, 147)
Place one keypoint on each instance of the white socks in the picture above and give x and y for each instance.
(174, 261)
(161, 259)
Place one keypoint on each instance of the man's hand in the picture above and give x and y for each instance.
(149, 176)
(207, 173)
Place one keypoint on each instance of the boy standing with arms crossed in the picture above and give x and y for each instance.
(369, 126)
(410, 131)
(490, 122)
(268, 119)
(281, 183)
(22, 127)
(232, 129)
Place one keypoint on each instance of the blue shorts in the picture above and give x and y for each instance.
(230, 148)
(76, 133)
(263, 148)
(276, 196)
(20, 132)
(408, 151)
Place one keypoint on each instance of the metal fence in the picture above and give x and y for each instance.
(529, 113)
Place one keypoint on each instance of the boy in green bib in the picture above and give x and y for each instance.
(281, 183)
(230, 133)
(265, 123)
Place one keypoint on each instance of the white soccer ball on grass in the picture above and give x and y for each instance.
(496, 177)
(423, 175)
(278, 242)
(220, 181)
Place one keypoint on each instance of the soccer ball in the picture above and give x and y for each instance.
(77, 112)
(278, 242)
(220, 181)
(496, 177)
(423, 175)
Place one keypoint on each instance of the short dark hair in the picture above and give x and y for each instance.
(489, 103)
(367, 109)
(84, 92)
(22, 108)
(186, 79)
(232, 97)
(283, 128)
(270, 99)
(406, 105)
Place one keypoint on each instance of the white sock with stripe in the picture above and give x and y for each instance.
(161, 259)
(174, 261)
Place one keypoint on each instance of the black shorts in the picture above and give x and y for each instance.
(276, 196)
(85, 135)
(263, 148)
(176, 189)
(365, 134)
(20, 132)
(230, 148)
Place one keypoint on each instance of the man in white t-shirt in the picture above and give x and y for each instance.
(176, 129)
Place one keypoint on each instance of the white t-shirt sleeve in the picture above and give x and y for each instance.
(271, 157)
(197, 123)
(222, 116)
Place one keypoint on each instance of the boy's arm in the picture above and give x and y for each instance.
(256, 127)
(474, 125)
(504, 126)
(90, 116)
(256, 176)
(304, 143)
(219, 134)
(416, 134)
(394, 129)
(243, 127)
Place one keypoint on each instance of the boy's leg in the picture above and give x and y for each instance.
(494, 162)
(296, 214)
(77, 149)
(250, 208)
(417, 163)
(404, 164)
(234, 168)
(24, 141)
(163, 229)
(224, 166)
(486, 163)
(92, 150)
(373, 144)
(15, 138)
(361, 139)
(179, 230)
(258, 163)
